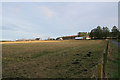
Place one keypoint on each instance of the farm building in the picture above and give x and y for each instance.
(60, 39)
(67, 37)
(73, 37)
(88, 37)
(79, 38)
(70, 37)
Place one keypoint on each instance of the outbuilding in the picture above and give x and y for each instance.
(88, 37)
(78, 38)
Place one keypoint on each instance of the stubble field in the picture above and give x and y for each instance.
(52, 59)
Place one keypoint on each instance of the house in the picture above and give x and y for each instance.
(60, 39)
(69, 37)
(79, 38)
(88, 37)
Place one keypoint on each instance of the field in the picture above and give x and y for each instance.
(52, 59)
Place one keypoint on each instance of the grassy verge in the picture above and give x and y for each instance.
(112, 63)
(117, 40)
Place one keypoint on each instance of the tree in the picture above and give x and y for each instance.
(115, 32)
(93, 33)
(115, 29)
(105, 32)
(81, 34)
(37, 38)
(99, 32)
(96, 33)
(88, 33)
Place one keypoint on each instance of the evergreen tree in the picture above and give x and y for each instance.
(115, 32)
(105, 32)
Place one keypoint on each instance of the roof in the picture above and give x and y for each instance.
(70, 36)
(78, 37)
(88, 37)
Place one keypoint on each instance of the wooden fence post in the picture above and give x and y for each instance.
(101, 67)
(100, 72)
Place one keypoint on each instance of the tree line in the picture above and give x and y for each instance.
(104, 32)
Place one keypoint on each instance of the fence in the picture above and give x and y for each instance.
(102, 67)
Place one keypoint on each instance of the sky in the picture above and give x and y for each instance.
(30, 20)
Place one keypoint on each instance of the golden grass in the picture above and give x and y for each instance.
(27, 42)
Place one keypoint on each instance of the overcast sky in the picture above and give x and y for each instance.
(39, 19)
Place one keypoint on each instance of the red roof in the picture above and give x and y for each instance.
(88, 37)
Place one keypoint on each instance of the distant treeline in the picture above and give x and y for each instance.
(97, 33)
(103, 33)
(6, 41)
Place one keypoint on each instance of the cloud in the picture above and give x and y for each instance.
(55, 19)
(11, 23)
